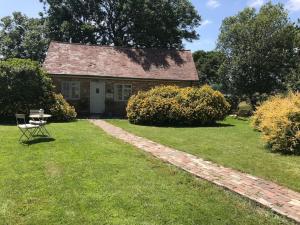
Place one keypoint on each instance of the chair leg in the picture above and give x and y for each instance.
(22, 135)
(47, 132)
(26, 134)
(37, 131)
(32, 133)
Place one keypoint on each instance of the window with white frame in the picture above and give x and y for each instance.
(71, 90)
(123, 92)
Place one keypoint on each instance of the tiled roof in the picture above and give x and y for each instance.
(87, 60)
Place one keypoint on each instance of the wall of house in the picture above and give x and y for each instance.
(112, 107)
(82, 105)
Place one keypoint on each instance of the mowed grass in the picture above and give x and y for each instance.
(233, 144)
(87, 177)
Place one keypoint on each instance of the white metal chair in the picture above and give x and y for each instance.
(40, 122)
(27, 130)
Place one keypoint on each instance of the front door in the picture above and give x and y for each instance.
(97, 97)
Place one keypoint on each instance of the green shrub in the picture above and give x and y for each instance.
(279, 121)
(61, 110)
(177, 106)
(233, 100)
(24, 86)
(244, 109)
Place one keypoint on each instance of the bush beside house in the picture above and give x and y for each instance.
(172, 105)
(244, 109)
(24, 86)
(60, 109)
(279, 121)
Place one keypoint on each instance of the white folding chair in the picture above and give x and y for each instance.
(27, 130)
(40, 122)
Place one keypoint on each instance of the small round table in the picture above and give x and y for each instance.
(41, 120)
(40, 116)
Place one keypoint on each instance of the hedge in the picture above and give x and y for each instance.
(171, 105)
(279, 121)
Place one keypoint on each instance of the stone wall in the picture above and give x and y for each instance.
(112, 107)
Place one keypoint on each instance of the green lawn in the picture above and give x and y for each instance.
(235, 145)
(87, 177)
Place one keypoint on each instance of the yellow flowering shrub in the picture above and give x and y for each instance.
(177, 106)
(61, 110)
(279, 121)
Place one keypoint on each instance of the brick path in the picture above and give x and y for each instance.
(280, 199)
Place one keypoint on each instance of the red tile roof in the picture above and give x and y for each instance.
(86, 60)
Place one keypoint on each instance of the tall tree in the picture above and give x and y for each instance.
(293, 81)
(139, 23)
(208, 64)
(260, 49)
(23, 37)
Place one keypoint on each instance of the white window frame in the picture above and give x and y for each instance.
(123, 92)
(68, 95)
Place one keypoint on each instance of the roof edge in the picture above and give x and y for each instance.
(120, 47)
(120, 78)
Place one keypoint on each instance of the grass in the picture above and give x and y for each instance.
(233, 144)
(87, 177)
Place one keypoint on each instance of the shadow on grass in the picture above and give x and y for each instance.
(39, 139)
(282, 153)
(215, 125)
(242, 118)
(97, 116)
(8, 124)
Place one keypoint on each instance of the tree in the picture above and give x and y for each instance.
(23, 37)
(259, 48)
(138, 23)
(24, 86)
(208, 64)
(293, 80)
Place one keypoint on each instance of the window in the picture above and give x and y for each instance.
(71, 90)
(122, 92)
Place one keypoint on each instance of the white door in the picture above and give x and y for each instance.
(97, 97)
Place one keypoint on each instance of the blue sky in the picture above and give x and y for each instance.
(212, 12)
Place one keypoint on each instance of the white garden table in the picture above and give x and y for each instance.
(41, 120)
(40, 116)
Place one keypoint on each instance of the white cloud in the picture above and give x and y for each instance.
(213, 4)
(293, 5)
(256, 3)
(206, 22)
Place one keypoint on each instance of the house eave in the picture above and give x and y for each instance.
(118, 78)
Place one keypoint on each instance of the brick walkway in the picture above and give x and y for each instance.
(280, 199)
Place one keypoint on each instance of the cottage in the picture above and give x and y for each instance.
(100, 79)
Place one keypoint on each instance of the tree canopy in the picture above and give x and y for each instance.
(260, 49)
(208, 64)
(23, 37)
(139, 23)
(293, 80)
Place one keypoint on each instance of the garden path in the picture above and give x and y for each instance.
(278, 198)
